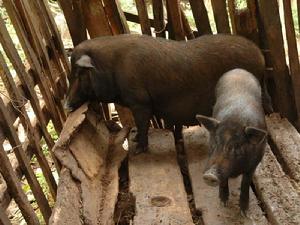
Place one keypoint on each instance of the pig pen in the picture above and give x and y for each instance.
(101, 183)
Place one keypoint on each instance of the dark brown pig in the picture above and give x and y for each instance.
(153, 76)
(237, 133)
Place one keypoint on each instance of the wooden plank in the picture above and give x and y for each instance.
(68, 205)
(186, 26)
(201, 17)
(16, 189)
(3, 217)
(30, 15)
(286, 140)
(135, 18)
(56, 41)
(96, 173)
(277, 194)
(93, 11)
(73, 13)
(252, 6)
(231, 10)
(206, 197)
(143, 16)
(293, 53)
(15, 59)
(16, 95)
(38, 13)
(159, 20)
(220, 15)
(116, 17)
(25, 164)
(32, 59)
(176, 21)
(156, 182)
(269, 14)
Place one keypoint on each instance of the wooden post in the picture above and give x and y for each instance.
(143, 16)
(93, 11)
(15, 59)
(200, 16)
(271, 22)
(116, 17)
(159, 20)
(175, 16)
(232, 9)
(34, 62)
(15, 189)
(186, 26)
(16, 95)
(293, 53)
(73, 13)
(25, 164)
(220, 15)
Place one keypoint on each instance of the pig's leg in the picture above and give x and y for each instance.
(224, 191)
(244, 196)
(142, 115)
(178, 132)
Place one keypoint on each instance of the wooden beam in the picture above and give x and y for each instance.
(293, 54)
(159, 19)
(143, 16)
(285, 141)
(176, 21)
(269, 14)
(33, 60)
(15, 189)
(221, 16)
(276, 192)
(152, 179)
(186, 26)
(201, 17)
(93, 11)
(25, 164)
(116, 17)
(73, 13)
(15, 59)
(232, 9)
(25, 120)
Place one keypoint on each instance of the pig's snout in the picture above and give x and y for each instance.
(210, 177)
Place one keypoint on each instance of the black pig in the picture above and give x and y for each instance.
(237, 133)
(153, 76)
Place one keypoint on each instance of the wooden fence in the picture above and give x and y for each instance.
(37, 89)
(45, 66)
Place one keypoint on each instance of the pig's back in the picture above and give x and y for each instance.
(238, 97)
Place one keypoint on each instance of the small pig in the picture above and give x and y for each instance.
(172, 80)
(237, 133)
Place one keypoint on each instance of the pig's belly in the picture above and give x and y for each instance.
(183, 110)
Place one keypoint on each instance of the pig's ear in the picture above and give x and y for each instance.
(255, 135)
(209, 122)
(85, 61)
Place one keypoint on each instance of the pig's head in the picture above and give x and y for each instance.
(233, 149)
(87, 82)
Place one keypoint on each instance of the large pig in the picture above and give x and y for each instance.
(153, 76)
(237, 133)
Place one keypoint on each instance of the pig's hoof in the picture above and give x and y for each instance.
(244, 214)
(140, 149)
(224, 203)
